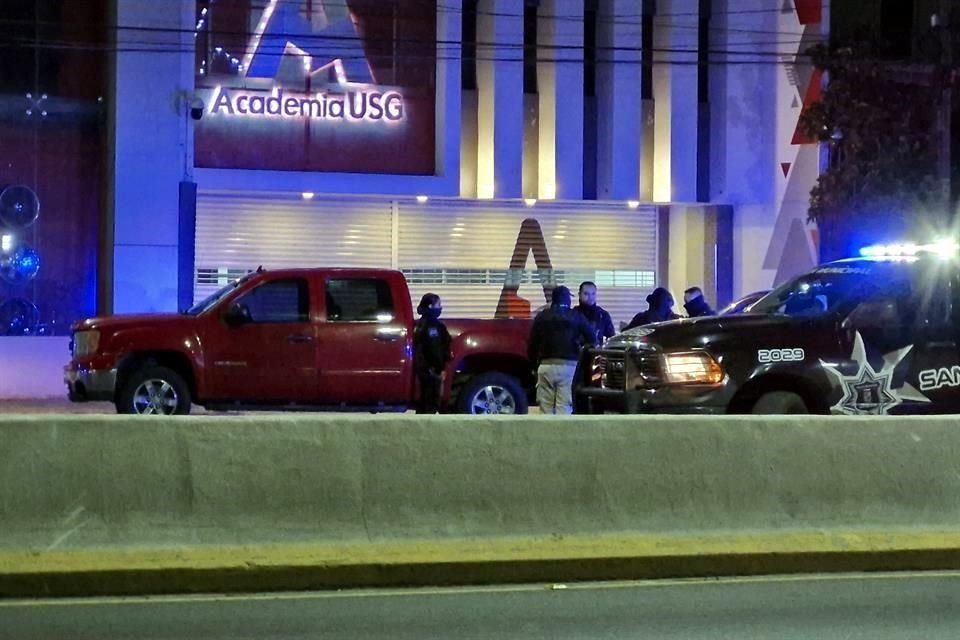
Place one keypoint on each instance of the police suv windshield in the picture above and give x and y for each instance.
(830, 289)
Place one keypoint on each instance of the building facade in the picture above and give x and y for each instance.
(488, 148)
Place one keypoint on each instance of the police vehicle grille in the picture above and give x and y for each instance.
(648, 366)
(614, 374)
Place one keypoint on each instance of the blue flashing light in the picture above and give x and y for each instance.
(943, 248)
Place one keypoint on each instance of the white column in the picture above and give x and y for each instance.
(619, 135)
(560, 87)
(675, 93)
(448, 107)
(500, 99)
(151, 151)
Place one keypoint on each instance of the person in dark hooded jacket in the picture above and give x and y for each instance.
(431, 352)
(695, 304)
(556, 339)
(660, 309)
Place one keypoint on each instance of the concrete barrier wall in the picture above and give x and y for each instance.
(101, 482)
(32, 366)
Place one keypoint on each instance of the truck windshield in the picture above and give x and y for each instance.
(216, 296)
(827, 290)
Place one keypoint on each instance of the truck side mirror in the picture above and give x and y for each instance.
(237, 315)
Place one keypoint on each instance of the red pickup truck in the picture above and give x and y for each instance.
(338, 339)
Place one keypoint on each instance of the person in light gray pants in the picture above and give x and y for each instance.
(555, 386)
(557, 336)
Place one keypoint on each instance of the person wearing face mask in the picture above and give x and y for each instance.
(431, 352)
(695, 304)
(596, 315)
(660, 309)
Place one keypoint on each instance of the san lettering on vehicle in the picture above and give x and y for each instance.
(932, 379)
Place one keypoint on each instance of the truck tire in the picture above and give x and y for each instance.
(154, 390)
(492, 393)
(780, 403)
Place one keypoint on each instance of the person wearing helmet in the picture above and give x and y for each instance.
(431, 352)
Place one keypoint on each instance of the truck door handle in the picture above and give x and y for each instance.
(299, 338)
(389, 334)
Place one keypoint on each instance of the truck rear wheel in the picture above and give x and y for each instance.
(492, 393)
(780, 403)
(154, 390)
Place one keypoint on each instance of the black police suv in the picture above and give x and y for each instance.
(867, 336)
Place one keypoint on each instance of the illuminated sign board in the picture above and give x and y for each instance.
(351, 106)
(318, 85)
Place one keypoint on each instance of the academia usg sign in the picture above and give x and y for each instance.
(361, 105)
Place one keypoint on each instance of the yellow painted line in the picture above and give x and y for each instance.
(426, 552)
(414, 592)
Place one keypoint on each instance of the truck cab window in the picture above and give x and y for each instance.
(277, 301)
(359, 300)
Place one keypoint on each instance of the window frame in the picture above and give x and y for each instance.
(382, 286)
(303, 298)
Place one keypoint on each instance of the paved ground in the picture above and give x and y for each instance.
(56, 405)
(854, 607)
(62, 405)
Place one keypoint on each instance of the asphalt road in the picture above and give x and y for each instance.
(871, 607)
(45, 406)
(63, 406)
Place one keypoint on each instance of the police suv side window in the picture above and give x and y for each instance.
(278, 301)
(359, 300)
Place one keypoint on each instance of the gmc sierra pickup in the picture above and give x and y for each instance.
(338, 339)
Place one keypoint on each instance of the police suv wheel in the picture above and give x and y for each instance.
(492, 393)
(780, 403)
(154, 390)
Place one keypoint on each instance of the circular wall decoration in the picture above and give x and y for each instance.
(19, 266)
(18, 317)
(19, 206)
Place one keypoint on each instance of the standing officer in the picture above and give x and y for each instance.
(596, 315)
(660, 309)
(556, 338)
(431, 352)
(695, 304)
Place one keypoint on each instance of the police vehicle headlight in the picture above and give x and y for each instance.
(695, 367)
(85, 343)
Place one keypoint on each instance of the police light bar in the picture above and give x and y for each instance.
(6, 243)
(943, 248)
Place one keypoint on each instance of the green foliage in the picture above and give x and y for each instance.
(879, 119)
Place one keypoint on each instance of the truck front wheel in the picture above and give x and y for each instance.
(780, 403)
(154, 390)
(490, 393)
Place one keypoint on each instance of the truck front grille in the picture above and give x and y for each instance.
(616, 377)
(648, 366)
(609, 371)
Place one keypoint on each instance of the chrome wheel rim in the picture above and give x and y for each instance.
(155, 397)
(493, 398)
